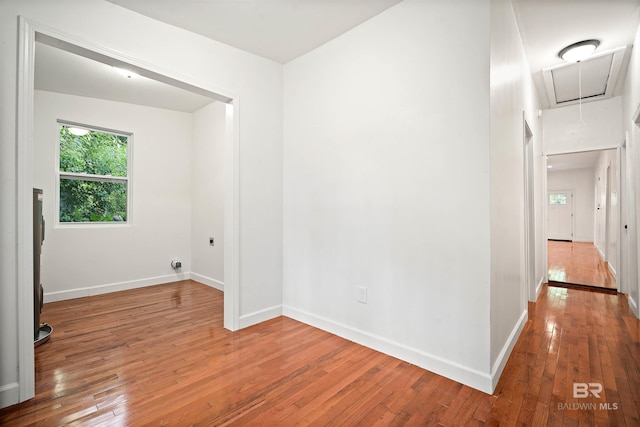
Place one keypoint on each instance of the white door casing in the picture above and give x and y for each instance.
(29, 31)
(529, 214)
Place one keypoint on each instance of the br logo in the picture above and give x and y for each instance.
(582, 390)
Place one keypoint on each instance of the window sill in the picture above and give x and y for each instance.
(85, 225)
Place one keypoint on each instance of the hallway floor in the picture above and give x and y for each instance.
(578, 263)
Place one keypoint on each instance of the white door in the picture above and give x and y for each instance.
(560, 215)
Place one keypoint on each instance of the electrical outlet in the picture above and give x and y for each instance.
(362, 295)
(210, 241)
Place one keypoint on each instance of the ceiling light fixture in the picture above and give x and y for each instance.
(549, 166)
(78, 131)
(127, 73)
(579, 51)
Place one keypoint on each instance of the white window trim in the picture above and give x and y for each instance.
(95, 178)
(90, 177)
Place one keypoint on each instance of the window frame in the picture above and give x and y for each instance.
(557, 193)
(92, 177)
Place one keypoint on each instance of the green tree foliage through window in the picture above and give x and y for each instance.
(93, 176)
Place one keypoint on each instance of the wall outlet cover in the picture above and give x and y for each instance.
(362, 295)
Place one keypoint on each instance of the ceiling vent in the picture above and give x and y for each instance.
(589, 80)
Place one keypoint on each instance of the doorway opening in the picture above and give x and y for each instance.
(582, 219)
(32, 33)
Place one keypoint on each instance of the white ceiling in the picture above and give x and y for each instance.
(281, 30)
(57, 70)
(277, 29)
(285, 29)
(546, 26)
(587, 159)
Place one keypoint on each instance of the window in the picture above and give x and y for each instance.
(558, 199)
(93, 174)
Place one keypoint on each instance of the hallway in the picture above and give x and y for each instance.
(578, 263)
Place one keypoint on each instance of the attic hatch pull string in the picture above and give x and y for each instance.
(580, 90)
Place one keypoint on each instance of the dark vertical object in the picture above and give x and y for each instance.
(38, 238)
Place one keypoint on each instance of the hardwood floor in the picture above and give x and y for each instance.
(578, 263)
(160, 356)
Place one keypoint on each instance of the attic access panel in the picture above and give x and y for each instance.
(598, 76)
(582, 80)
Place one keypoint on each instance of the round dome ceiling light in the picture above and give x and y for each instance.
(579, 51)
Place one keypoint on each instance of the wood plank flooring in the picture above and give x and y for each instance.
(160, 356)
(578, 263)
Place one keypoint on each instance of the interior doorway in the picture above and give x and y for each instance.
(30, 33)
(582, 217)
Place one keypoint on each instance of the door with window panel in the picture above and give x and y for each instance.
(560, 215)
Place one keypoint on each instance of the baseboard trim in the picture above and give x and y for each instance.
(501, 361)
(633, 305)
(612, 270)
(209, 281)
(583, 240)
(112, 287)
(259, 316)
(539, 287)
(463, 374)
(9, 394)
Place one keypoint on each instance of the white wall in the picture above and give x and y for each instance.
(207, 177)
(631, 178)
(375, 122)
(607, 248)
(582, 182)
(512, 95)
(82, 260)
(564, 132)
(254, 80)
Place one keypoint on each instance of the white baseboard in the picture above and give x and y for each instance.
(113, 287)
(600, 252)
(216, 284)
(471, 377)
(612, 270)
(634, 305)
(539, 287)
(501, 361)
(9, 394)
(583, 240)
(259, 316)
